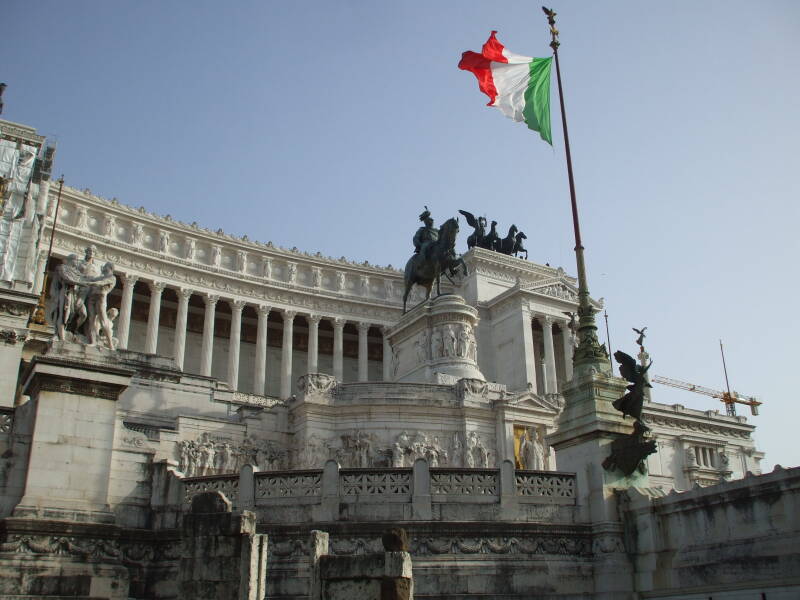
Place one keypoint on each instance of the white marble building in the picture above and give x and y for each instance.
(294, 384)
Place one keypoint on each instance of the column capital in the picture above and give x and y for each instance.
(264, 310)
(210, 299)
(184, 294)
(288, 314)
(313, 319)
(338, 323)
(127, 278)
(544, 320)
(237, 305)
(156, 287)
(363, 326)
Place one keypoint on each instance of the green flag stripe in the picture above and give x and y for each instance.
(537, 98)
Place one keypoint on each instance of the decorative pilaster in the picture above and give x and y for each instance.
(549, 355)
(338, 348)
(151, 341)
(286, 356)
(207, 351)
(234, 344)
(363, 351)
(313, 343)
(387, 355)
(179, 349)
(123, 328)
(261, 351)
(528, 353)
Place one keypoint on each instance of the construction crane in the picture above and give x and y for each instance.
(731, 399)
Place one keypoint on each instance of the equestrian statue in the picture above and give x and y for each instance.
(434, 255)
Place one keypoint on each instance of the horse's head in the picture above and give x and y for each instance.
(448, 232)
(522, 236)
(512, 231)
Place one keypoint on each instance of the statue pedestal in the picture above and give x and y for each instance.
(71, 416)
(435, 338)
(585, 431)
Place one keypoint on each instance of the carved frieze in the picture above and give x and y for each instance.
(210, 456)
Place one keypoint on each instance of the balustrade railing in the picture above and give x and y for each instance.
(288, 484)
(419, 486)
(227, 484)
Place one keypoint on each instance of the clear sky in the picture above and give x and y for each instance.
(328, 126)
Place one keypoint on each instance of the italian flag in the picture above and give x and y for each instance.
(518, 85)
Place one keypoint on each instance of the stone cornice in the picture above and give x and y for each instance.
(87, 199)
(677, 418)
(23, 133)
(230, 284)
(509, 265)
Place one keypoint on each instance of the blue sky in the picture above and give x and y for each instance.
(328, 126)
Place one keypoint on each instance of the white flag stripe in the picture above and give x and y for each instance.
(511, 81)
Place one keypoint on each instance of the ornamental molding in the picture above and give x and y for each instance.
(91, 549)
(85, 198)
(700, 427)
(550, 403)
(106, 391)
(490, 263)
(203, 279)
(518, 543)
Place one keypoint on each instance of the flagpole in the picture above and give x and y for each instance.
(589, 351)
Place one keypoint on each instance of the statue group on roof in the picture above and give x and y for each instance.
(510, 245)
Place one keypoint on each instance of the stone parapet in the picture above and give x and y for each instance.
(408, 494)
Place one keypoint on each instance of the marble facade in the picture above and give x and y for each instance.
(293, 385)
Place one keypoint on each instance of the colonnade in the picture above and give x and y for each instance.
(237, 306)
(549, 385)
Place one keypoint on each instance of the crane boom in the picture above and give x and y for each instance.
(730, 399)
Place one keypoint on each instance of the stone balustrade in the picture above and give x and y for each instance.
(418, 493)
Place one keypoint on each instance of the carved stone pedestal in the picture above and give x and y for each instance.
(71, 427)
(436, 338)
(582, 440)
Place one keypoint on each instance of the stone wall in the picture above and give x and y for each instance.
(738, 539)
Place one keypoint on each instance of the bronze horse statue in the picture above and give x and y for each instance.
(439, 257)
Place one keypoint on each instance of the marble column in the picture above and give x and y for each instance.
(124, 325)
(313, 343)
(207, 350)
(286, 355)
(260, 379)
(179, 349)
(549, 355)
(151, 340)
(234, 344)
(363, 352)
(529, 352)
(566, 338)
(387, 355)
(338, 349)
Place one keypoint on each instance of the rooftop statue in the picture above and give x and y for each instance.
(478, 237)
(79, 290)
(434, 254)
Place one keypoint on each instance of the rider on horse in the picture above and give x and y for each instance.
(426, 235)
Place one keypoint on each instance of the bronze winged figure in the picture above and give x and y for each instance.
(631, 402)
(479, 223)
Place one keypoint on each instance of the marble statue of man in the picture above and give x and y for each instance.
(97, 306)
(534, 455)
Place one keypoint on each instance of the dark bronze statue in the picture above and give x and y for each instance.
(640, 339)
(2, 89)
(506, 245)
(434, 254)
(510, 245)
(518, 247)
(631, 402)
(491, 240)
(479, 235)
(628, 452)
